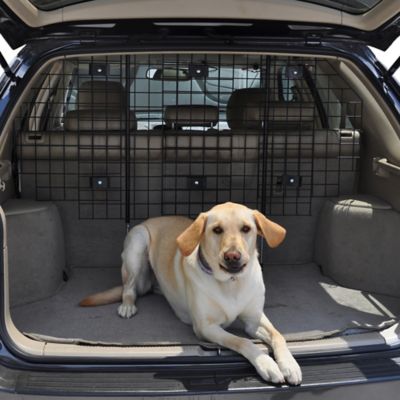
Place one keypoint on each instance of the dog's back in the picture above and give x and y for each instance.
(163, 232)
(165, 259)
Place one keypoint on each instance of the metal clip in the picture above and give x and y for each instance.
(2, 185)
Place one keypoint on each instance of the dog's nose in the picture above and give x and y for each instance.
(232, 257)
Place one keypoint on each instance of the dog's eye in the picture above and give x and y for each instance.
(245, 229)
(218, 230)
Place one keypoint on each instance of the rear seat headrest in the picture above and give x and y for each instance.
(248, 109)
(191, 115)
(101, 106)
(101, 95)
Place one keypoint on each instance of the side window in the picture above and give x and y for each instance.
(286, 85)
(71, 95)
(292, 83)
(45, 112)
(341, 104)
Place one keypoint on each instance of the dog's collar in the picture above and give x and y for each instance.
(205, 267)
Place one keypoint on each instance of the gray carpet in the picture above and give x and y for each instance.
(301, 303)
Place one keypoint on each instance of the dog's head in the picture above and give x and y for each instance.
(227, 235)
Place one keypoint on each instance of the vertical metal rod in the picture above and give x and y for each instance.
(265, 135)
(127, 145)
(265, 139)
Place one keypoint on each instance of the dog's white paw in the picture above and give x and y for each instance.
(127, 310)
(268, 369)
(290, 370)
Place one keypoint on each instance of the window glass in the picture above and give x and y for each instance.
(153, 89)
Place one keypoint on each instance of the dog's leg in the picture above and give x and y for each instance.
(134, 261)
(127, 308)
(259, 326)
(264, 364)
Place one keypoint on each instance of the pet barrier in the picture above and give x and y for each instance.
(134, 136)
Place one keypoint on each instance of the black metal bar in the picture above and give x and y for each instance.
(317, 98)
(6, 68)
(266, 142)
(395, 66)
(127, 144)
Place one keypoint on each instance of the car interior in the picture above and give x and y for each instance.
(100, 142)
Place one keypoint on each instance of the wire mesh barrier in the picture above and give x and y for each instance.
(134, 136)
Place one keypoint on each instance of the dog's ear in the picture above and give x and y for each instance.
(190, 238)
(271, 231)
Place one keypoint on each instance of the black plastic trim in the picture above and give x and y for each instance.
(6, 67)
(186, 381)
(317, 98)
(394, 67)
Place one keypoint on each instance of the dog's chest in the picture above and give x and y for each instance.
(226, 302)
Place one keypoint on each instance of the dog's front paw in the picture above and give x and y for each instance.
(127, 310)
(268, 369)
(290, 369)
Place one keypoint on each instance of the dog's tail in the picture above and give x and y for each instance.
(107, 297)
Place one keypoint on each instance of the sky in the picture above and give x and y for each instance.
(387, 58)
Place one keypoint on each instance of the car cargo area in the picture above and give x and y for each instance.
(301, 301)
(100, 143)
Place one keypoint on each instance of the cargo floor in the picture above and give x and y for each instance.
(301, 302)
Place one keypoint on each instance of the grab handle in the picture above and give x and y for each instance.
(383, 168)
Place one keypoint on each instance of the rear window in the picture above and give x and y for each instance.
(213, 85)
(156, 82)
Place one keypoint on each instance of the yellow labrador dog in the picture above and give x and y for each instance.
(209, 272)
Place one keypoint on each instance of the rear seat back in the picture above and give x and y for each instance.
(61, 164)
(303, 160)
(101, 106)
(189, 165)
(291, 129)
(250, 109)
(94, 131)
(204, 166)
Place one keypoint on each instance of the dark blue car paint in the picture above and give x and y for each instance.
(215, 375)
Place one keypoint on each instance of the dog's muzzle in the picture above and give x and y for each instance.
(232, 268)
(233, 262)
